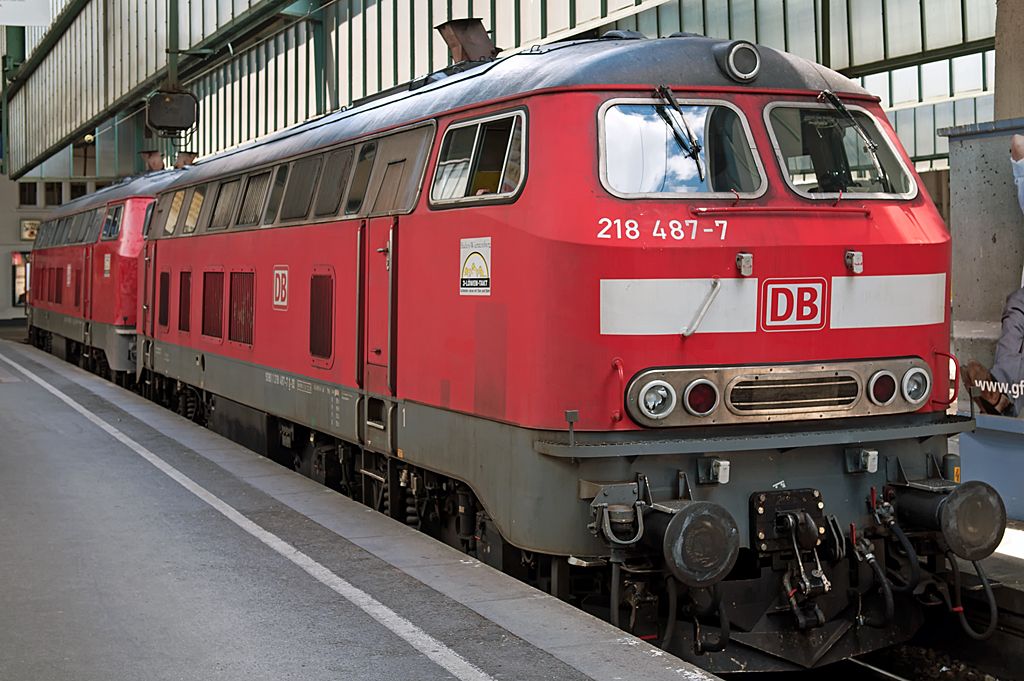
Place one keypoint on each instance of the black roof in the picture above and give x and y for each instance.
(684, 61)
(149, 184)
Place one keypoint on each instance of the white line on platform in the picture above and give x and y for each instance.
(1012, 544)
(413, 635)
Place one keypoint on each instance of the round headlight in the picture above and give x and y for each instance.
(701, 397)
(916, 385)
(882, 388)
(657, 399)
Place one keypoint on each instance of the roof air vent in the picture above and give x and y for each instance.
(467, 40)
(739, 59)
(624, 35)
(684, 34)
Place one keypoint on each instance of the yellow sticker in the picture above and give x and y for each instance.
(957, 470)
(956, 474)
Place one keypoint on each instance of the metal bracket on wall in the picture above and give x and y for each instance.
(609, 492)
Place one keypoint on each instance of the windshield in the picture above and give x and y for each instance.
(824, 154)
(644, 155)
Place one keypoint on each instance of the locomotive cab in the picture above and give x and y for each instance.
(777, 313)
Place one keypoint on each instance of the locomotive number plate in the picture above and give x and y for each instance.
(662, 229)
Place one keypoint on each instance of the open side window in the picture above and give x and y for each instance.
(481, 160)
(112, 225)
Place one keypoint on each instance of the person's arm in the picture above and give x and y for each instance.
(1017, 156)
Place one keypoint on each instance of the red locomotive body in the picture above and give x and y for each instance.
(84, 287)
(657, 324)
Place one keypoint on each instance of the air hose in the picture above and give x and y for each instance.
(673, 599)
(616, 593)
(915, 565)
(890, 607)
(724, 632)
(993, 609)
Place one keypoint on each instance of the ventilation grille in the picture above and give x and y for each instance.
(793, 394)
(78, 288)
(185, 302)
(213, 304)
(240, 329)
(58, 280)
(321, 316)
(252, 200)
(165, 297)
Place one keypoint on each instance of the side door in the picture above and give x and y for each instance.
(88, 265)
(144, 358)
(381, 307)
(381, 268)
(397, 169)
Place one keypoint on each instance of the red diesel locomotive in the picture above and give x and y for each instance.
(660, 325)
(84, 285)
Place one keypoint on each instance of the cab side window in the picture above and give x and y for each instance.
(112, 225)
(481, 160)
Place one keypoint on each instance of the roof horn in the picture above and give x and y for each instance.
(467, 40)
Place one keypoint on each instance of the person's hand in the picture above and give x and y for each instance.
(1017, 147)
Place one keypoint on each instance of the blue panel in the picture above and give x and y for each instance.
(994, 453)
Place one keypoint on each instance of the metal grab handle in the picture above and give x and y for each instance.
(956, 379)
(716, 286)
(617, 365)
(606, 525)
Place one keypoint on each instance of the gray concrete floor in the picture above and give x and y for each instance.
(13, 330)
(111, 570)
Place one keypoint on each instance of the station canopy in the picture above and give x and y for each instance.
(258, 66)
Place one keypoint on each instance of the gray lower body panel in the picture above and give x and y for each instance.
(116, 342)
(529, 480)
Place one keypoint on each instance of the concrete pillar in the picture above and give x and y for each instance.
(985, 218)
(1009, 86)
(987, 227)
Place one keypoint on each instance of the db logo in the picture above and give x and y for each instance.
(281, 287)
(794, 304)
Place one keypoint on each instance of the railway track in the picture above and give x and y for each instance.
(901, 663)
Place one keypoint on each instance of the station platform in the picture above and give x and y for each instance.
(135, 544)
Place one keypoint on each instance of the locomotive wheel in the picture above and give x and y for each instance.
(187, 405)
(412, 512)
(102, 368)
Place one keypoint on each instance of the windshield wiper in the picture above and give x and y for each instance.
(689, 144)
(871, 145)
